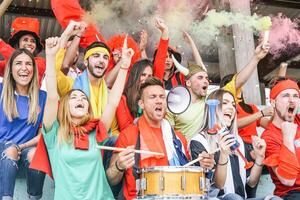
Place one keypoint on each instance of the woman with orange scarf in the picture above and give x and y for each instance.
(71, 134)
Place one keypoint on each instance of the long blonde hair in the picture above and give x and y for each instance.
(212, 139)
(65, 119)
(9, 86)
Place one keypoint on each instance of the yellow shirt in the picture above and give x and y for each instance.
(230, 87)
(65, 84)
(190, 120)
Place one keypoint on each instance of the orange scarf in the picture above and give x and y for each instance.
(81, 133)
(40, 160)
(148, 139)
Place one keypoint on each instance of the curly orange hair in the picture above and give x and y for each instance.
(116, 41)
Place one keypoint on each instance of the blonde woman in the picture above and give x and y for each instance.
(230, 174)
(21, 112)
(71, 134)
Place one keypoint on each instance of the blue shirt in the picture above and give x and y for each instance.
(18, 130)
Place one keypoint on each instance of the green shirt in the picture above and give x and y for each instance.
(78, 174)
(189, 121)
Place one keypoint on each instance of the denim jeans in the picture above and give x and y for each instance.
(8, 172)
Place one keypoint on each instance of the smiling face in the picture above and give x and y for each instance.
(78, 104)
(286, 105)
(27, 42)
(153, 102)
(228, 109)
(198, 84)
(97, 64)
(22, 71)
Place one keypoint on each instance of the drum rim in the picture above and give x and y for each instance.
(174, 195)
(173, 169)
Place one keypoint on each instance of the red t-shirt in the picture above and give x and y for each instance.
(128, 137)
(273, 137)
(123, 114)
(298, 119)
(247, 131)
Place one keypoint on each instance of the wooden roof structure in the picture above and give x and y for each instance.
(41, 9)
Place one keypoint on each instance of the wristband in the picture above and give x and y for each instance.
(262, 113)
(17, 147)
(77, 36)
(120, 170)
(260, 165)
(222, 164)
(125, 68)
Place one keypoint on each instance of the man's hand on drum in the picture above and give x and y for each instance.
(125, 158)
(207, 160)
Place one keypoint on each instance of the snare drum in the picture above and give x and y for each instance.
(172, 181)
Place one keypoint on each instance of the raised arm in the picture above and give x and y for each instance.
(195, 51)
(260, 52)
(161, 54)
(64, 83)
(259, 146)
(66, 10)
(50, 114)
(117, 89)
(73, 48)
(143, 43)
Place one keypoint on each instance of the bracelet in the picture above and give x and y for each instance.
(120, 170)
(46, 75)
(17, 147)
(222, 164)
(124, 68)
(77, 36)
(260, 165)
(262, 113)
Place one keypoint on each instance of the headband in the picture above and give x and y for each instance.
(283, 85)
(96, 50)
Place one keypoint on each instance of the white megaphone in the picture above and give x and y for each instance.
(178, 99)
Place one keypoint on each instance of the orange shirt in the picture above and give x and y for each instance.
(249, 130)
(274, 140)
(123, 114)
(128, 137)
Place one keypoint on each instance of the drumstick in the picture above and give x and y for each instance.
(135, 151)
(199, 158)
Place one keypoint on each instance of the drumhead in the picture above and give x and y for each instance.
(159, 197)
(173, 169)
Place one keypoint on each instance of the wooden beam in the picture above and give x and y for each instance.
(22, 10)
(280, 3)
(291, 72)
(244, 50)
